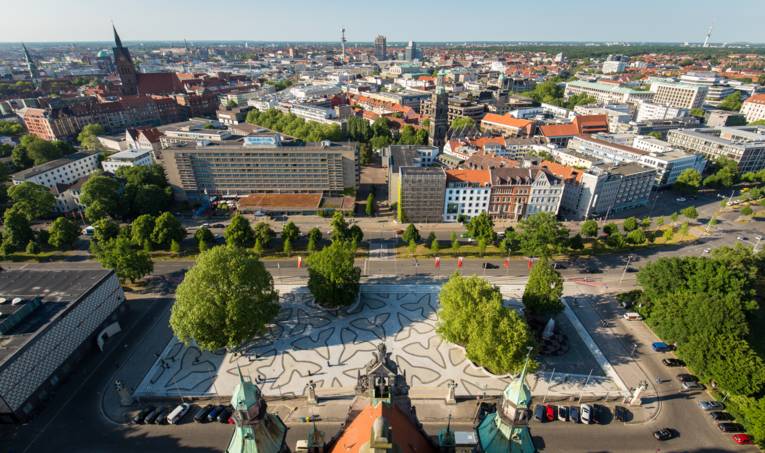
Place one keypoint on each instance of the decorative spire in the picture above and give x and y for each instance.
(117, 40)
(522, 377)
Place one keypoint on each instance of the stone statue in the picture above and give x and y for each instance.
(451, 397)
(311, 399)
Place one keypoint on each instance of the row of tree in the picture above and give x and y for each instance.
(131, 192)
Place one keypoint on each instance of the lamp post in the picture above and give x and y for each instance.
(629, 258)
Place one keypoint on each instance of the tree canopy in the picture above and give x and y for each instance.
(33, 200)
(333, 279)
(226, 299)
(543, 291)
(63, 233)
(688, 181)
(88, 136)
(127, 261)
(481, 227)
(541, 234)
(239, 233)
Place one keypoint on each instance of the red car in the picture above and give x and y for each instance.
(742, 439)
(549, 413)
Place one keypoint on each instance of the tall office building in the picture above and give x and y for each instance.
(439, 120)
(381, 47)
(33, 72)
(411, 51)
(125, 67)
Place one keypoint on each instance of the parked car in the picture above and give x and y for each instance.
(152, 416)
(660, 346)
(218, 225)
(586, 411)
(692, 385)
(141, 415)
(599, 414)
(728, 427)
(539, 413)
(563, 413)
(680, 199)
(672, 362)
(621, 413)
(178, 413)
(685, 377)
(573, 412)
(742, 439)
(560, 266)
(591, 270)
(488, 265)
(201, 415)
(224, 415)
(213, 414)
(550, 413)
(162, 416)
(631, 269)
(711, 405)
(664, 434)
(719, 416)
(632, 316)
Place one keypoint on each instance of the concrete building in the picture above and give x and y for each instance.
(606, 93)
(743, 144)
(754, 108)
(467, 194)
(58, 175)
(315, 113)
(457, 108)
(617, 113)
(411, 53)
(230, 116)
(510, 191)
(421, 194)
(381, 47)
(261, 164)
(615, 64)
(128, 158)
(609, 189)
(397, 156)
(667, 162)
(506, 125)
(50, 321)
(649, 111)
(439, 117)
(675, 94)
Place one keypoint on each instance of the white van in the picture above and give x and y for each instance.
(177, 414)
(585, 411)
(632, 316)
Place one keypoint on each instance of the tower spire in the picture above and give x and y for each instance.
(117, 40)
(34, 75)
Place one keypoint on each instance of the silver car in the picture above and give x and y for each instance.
(692, 385)
(711, 405)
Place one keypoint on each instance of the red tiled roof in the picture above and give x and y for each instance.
(159, 83)
(506, 120)
(562, 171)
(479, 176)
(558, 130)
(756, 99)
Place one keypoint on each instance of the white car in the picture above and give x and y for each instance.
(711, 405)
(178, 413)
(680, 200)
(585, 413)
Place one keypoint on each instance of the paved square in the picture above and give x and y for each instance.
(308, 342)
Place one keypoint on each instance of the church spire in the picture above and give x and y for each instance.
(117, 40)
(34, 75)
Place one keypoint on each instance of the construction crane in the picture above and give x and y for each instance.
(709, 35)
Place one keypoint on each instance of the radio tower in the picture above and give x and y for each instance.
(343, 41)
(709, 35)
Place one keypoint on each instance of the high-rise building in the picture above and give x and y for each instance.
(439, 119)
(34, 74)
(125, 67)
(410, 53)
(676, 94)
(381, 47)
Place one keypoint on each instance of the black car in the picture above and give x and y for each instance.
(664, 434)
(152, 417)
(162, 416)
(599, 414)
(631, 269)
(488, 265)
(621, 413)
(141, 415)
(213, 414)
(201, 415)
(721, 416)
(539, 413)
(217, 225)
(672, 362)
(684, 377)
(559, 266)
(224, 415)
(591, 270)
(727, 427)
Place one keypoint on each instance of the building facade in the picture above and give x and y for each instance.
(510, 191)
(128, 158)
(439, 120)
(381, 47)
(606, 93)
(467, 194)
(61, 176)
(678, 95)
(754, 108)
(421, 194)
(743, 144)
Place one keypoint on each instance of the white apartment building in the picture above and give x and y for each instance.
(754, 108)
(314, 113)
(613, 67)
(605, 190)
(59, 175)
(676, 94)
(315, 91)
(744, 144)
(606, 93)
(651, 111)
(667, 164)
(128, 158)
(546, 194)
(467, 193)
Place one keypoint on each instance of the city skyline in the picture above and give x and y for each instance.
(590, 21)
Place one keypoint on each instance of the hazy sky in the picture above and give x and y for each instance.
(399, 20)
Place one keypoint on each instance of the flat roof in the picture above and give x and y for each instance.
(129, 154)
(281, 201)
(48, 166)
(57, 290)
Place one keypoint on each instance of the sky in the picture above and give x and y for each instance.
(398, 20)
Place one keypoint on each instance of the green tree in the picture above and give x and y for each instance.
(412, 246)
(455, 242)
(724, 173)
(576, 242)
(434, 247)
(697, 112)
(481, 247)
(33, 200)
(33, 248)
(636, 237)
(543, 291)
(290, 232)
(88, 137)
(429, 239)
(610, 228)
(482, 227)
(287, 246)
(411, 234)
(589, 228)
(63, 233)
(616, 240)
(683, 230)
(462, 122)
(541, 234)
(127, 262)
(668, 234)
(205, 238)
(690, 213)
(630, 224)
(166, 230)
(264, 232)
(369, 209)
(339, 227)
(105, 229)
(674, 216)
(227, 298)
(141, 231)
(314, 239)
(689, 181)
(332, 277)
(239, 233)
(101, 196)
(175, 246)
(258, 247)
(732, 102)
(17, 232)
